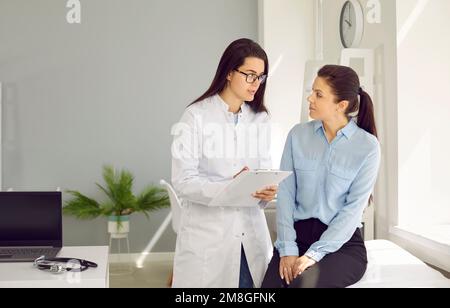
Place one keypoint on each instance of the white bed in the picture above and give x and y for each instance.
(390, 266)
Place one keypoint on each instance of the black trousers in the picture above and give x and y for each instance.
(336, 270)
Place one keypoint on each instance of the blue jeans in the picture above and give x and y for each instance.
(245, 277)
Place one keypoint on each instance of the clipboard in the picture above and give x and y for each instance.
(239, 192)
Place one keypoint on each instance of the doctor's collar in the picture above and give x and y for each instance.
(245, 108)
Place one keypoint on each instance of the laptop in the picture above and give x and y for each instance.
(30, 225)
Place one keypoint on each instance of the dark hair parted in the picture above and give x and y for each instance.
(234, 57)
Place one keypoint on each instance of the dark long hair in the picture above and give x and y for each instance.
(234, 57)
(344, 83)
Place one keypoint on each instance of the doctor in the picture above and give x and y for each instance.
(222, 133)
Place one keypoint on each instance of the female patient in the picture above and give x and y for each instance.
(335, 160)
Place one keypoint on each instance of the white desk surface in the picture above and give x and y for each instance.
(24, 275)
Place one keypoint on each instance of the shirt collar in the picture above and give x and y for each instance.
(245, 108)
(347, 131)
(221, 102)
(317, 125)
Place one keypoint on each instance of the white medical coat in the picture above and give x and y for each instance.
(208, 150)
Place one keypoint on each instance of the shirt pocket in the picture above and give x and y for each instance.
(339, 180)
(306, 175)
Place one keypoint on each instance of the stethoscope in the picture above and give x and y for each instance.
(56, 266)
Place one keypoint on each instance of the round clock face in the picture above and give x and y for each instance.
(351, 24)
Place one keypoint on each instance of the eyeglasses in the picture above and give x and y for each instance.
(251, 78)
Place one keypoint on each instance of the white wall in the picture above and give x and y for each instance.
(108, 90)
(424, 111)
(286, 31)
(382, 38)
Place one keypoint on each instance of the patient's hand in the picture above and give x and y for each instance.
(302, 264)
(287, 266)
(267, 194)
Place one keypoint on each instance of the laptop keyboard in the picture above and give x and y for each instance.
(24, 252)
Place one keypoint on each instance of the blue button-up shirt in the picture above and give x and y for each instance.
(331, 182)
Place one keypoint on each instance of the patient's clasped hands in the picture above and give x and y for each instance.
(293, 266)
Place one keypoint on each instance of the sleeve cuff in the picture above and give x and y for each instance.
(272, 205)
(263, 204)
(286, 249)
(315, 255)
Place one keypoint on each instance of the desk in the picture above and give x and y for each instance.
(24, 275)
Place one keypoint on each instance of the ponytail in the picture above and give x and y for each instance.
(366, 116)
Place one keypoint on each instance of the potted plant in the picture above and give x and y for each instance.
(120, 203)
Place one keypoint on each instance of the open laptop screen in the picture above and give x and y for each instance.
(30, 219)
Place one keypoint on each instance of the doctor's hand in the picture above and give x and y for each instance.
(302, 264)
(287, 266)
(243, 170)
(267, 194)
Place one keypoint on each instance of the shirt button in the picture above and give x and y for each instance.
(243, 234)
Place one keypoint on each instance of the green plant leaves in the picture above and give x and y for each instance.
(82, 207)
(121, 200)
(152, 198)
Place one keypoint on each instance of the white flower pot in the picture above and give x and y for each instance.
(119, 229)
